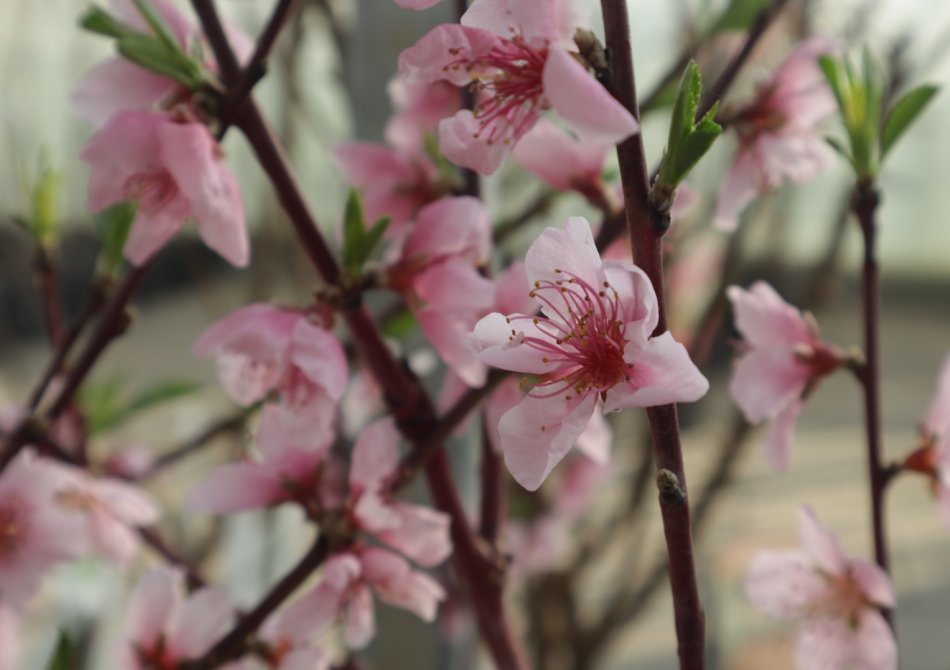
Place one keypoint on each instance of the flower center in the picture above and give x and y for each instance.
(585, 336)
(509, 88)
(151, 189)
(13, 526)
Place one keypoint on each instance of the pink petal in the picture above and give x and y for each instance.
(436, 56)
(127, 502)
(397, 584)
(823, 547)
(156, 596)
(661, 372)
(447, 333)
(373, 514)
(780, 436)
(543, 20)
(560, 160)
(638, 304)
(499, 341)
(151, 232)
(589, 109)
(307, 659)
(451, 227)
(834, 643)
(375, 455)
(595, 441)
(784, 584)
(388, 180)
(360, 624)
(739, 187)
(937, 420)
(874, 582)
(570, 249)
(10, 637)
(317, 353)
(193, 158)
(461, 142)
(116, 84)
(538, 433)
(417, 4)
(766, 382)
(455, 288)
(235, 488)
(511, 290)
(198, 623)
(422, 534)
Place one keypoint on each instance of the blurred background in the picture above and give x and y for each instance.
(327, 84)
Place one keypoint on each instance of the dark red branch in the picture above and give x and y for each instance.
(494, 501)
(646, 227)
(864, 205)
(50, 297)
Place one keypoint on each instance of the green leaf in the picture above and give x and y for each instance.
(904, 113)
(688, 141)
(157, 24)
(155, 395)
(354, 228)
(371, 239)
(838, 146)
(114, 224)
(60, 660)
(107, 404)
(153, 54)
(97, 20)
(400, 325)
(837, 79)
(739, 15)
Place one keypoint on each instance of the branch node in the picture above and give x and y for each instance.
(669, 486)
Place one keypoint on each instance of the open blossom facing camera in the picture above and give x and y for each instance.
(836, 597)
(779, 135)
(173, 171)
(593, 343)
(513, 53)
(783, 358)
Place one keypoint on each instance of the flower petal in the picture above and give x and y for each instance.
(780, 436)
(784, 584)
(375, 455)
(461, 141)
(538, 433)
(821, 545)
(592, 112)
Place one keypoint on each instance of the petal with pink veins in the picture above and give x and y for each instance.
(499, 341)
(460, 141)
(438, 54)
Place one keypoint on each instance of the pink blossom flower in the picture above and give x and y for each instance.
(282, 474)
(117, 84)
(932, 458)
(565, 162)
(779, 136)
(172, 172)
(835, 596)
(37, 531)
(112, 509)
(784, 358)
(393, 182)
(418, 110)
(289, 645)
(346, 589)
(419, 532)
(595, 340)
(512, 52)
(165, 627)
(260, 349)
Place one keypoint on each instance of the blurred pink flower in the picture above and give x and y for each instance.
(116, 84)
(932, 458)
(261, 349)
(112, 510)
(513, 53)
(346, 589)
(836, 597)
(566, 163)
(779, 135)
(172, 172)
(418, 110)
(165, 627)
(419, 532)
(783, 358)
(37, 531)
(594, 341)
